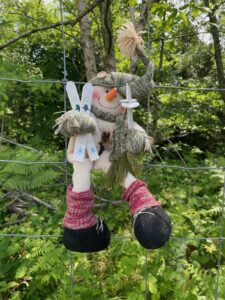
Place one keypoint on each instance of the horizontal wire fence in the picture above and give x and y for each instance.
(219, 238)
(177, 87)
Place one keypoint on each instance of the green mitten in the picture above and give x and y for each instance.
(138, 142)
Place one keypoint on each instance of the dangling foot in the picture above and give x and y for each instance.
(152, 226)
(93, 239)
(83, 231)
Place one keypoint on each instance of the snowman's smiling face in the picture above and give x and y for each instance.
(107, 99)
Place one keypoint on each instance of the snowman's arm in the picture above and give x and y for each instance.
(72, 122)
(137, 140)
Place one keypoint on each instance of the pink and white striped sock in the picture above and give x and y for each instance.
(139, 197)
(78, 214)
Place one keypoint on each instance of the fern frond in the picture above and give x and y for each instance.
(213, 212)
(23, 176)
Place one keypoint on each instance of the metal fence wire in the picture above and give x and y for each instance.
(219, 238)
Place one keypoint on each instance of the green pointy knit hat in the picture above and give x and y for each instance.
(130, 44)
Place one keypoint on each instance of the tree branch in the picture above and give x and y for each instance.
(106, 23)
(109, 202)
(217, 48)
(217, 6)
(26, 16)
(22, 196)
(140, 26)
(37, 200)
(50, 26)
(12, 223)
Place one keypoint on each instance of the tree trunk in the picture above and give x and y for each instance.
(162, 41)
(217, 48)
(87, 41)
(218, 57)
(106, 23)
(2, 128)
(132, 14)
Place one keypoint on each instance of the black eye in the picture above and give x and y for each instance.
(107, 91)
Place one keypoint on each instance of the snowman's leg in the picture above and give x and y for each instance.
(83, 231)
(152, 226)
(82, 175)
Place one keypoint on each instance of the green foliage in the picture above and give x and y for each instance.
(188, 113)
(35, 268)
(29, 173)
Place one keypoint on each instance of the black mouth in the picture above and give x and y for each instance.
(107, 106)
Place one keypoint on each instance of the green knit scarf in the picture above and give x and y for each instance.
(122, 161)
(103, 115)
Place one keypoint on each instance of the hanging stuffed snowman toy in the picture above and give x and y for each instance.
(107, 139)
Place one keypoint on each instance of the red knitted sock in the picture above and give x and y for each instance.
(139, 197)
(78, 214)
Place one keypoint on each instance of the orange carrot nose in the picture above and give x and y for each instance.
(111, 94)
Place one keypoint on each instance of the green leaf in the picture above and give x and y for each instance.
(11, 250)
(3, 286)
(214, 24)
(152, 284)
(167, 28)
(160, 7)
(170, 44)
(9, 111)
(183, 16)
(205, 9)
(16, 296)
(21, 272)
(195, 12)
(134, 296)
(11, 284)
(132, 3)
(155, 7)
